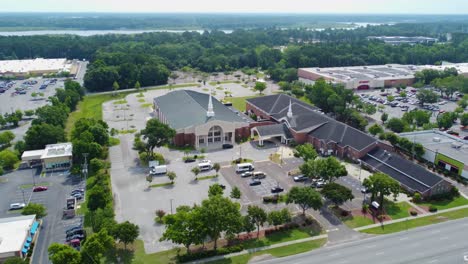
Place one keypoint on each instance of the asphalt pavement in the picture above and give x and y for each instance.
(439, 243)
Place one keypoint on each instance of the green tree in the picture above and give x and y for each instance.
(397, 125)
(464, 119)
(446, 120)
(184, 227)
(38, 209)
(370, 109)
(381, 185)
(216, 167)
(305, 197)
(306, 152)
(171, 175)
(96, 246)
(156, 134)
(426, 96)
(115, 86)
(276, 218)
(247, 224)
(327, 168)
(126, 232)
(63, 254)
(235, 193)
(219, 214)
(375, 129)
(337, 194)
(16, 260)
(196, 171)
(97, 198)
(6, 138)
(38, 136)
(8, 159)
(55, 115)
(137, 85)
(260, 87)
(29, 113)
(384, 117)
(257, 215)
(214, 190)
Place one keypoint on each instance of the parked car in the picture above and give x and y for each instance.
(227, 146)
(246, 174)
(318, 184)
(365, 190)
(40, 188)
(259, 175)
(189, 160)
(254, 182)
(77, 236)
(77, 192)
(74, 243)
(73, 228)
(465, 138)
(277, 189)
(78, 196)
(75, 232)
(300, 178)
(16, 206)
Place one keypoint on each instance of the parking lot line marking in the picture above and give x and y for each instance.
(404, 238)
(379, 253)
(443, 238)
(434, 261)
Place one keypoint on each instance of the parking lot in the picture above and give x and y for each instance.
(16, 187)
(402, 105)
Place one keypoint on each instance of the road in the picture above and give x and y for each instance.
(440, 243)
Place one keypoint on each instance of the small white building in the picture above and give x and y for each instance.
(16, 236)
(53, 157)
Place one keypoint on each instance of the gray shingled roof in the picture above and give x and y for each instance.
(404, 171)
(276, 129)
(309, 119)
(185, 108)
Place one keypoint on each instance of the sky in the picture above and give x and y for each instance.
(240, 6)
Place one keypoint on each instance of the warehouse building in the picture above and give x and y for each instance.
(445, 151)
(398, 40)
(53, 158)
(200, 120)
(16, 236)
(371, 77)
(36, 67)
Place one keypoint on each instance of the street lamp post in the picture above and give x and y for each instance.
(171, 205)
(24, 199)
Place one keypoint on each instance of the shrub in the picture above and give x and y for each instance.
(432, 209)
(365, 207)
(413, 213)
(210, 253)
(417, 198)
(270, 199)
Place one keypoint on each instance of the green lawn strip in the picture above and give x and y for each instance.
(161, 184)
(276, 252)
(146, 105)
(27, 186)
(243, 161)
(207, 177)
(239, 102)
(141, 100)
(357, 221)
(122, 101)
(397, 210)
(423, 221)
(279, 237)
(446, 204)
(164, 257)
(114, 141)
(222, 82)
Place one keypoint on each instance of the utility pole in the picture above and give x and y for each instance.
(32, 175)
(85, 165)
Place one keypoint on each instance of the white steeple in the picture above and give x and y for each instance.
(290, 114)
(210, 112)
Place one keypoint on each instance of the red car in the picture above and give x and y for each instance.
(40, 188)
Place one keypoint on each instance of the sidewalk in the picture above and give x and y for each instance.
(253, 250)
(410, 218)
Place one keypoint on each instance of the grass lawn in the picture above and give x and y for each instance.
(279, 237)
(207, 177)
(146, 105)
(357, 221)
(161, 184)
(27, 186)
(276, 252)
(445, 204)
(423, 221)
(239, 102)
(222, 82)
(397, 210)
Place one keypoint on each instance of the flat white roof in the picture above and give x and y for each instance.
(34, 65)
(14, 231)
(58, 150)
(32, 154)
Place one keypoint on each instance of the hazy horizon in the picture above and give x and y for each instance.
(356, 7)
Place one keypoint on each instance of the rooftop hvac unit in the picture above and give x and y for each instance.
(436, 139)
(456, 145)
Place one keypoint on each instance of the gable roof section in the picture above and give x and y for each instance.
(185, 108)
(273, 130)
(404, 171)
(309, 119)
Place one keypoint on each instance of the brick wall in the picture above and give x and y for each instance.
(182, 139)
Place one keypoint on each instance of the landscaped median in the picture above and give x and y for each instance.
(409, 223)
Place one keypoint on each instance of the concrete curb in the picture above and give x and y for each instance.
(410, 218)
(253, 250)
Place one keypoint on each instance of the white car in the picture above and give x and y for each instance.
(16, 206)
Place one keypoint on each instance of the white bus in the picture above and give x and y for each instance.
(205, 166)
(244, 167)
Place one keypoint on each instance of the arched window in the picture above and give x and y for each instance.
(215, 134)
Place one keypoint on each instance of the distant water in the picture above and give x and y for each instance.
(86, 33)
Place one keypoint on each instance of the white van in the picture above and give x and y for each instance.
(205, 166)
(244, 167)
(161, 169)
